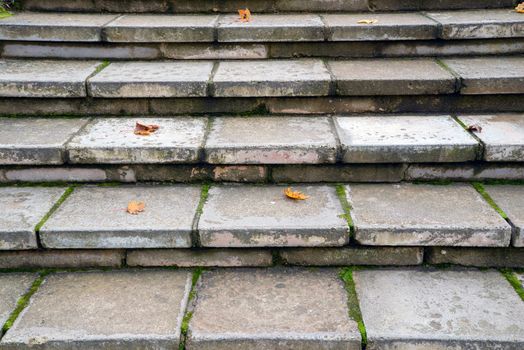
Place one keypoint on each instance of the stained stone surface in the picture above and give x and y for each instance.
(61, 259)
(262, 216)
(12, 287)
(31, 141)
(21, 209)
(152, 79)
(478, 257)
(112, 140)
(425, 215)
(502, 135)
(511, 200)
(379, 139)
(267, 140)
(44, 78)
(391, 77)
(104, 310)
(96, 217)
(439, 309)
(272, 309)
(271, 78)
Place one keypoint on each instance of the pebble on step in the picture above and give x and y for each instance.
(12, 287)
(511, 200)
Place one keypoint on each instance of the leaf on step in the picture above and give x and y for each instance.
(135, 207)
(295, 194)
(475, 128)
(368, 21)
(245, 15)
(145, 129)
(520, 8)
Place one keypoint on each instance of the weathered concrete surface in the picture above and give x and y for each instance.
(27, 26)
(109, 310)
(44, 78)
(389, 26)
(390, 139)
(272, 309)
(465, 171)
(215, 51)
(271, 28)
(97, 5)
(489, 75)
(413, 5)
(511, 200)
(391, 77)
(12, 287)
(112, 140)
(338, 173)
(479, 257)
(502, 135)
(446, 309)
(262, 216)
(61, 259)
(200, 257)
(21, 209)
(151, 79)
(479, 24)
(425, 215)
(271, 78)
(267, 140)
(95, 217)
(161, 28)
(35, 141)
(53, 174)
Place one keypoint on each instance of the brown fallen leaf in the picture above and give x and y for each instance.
(520, 8)
(475, 128)
(245, 15)
(135, 207)
(295, 194)
(368, 21)
(145, 129)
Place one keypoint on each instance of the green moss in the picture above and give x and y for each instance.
(346, 275)
(480, 189)
(61, 200)
(4, 13)
(100, 67)
(203, 197)
(341, 193)
(514, 281)
(189, 314)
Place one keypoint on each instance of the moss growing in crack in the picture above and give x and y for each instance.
(480, 189)
(341, 193)
(346, 275)
(101, 66)
(203, 198)
(61, 200)
(514, 281)
(189, 313)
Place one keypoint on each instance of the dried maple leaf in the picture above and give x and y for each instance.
(295, 194)
(145, 129)
(135, 207)
(520, 8)
(367, 21)
(245, 15)
(475, 128)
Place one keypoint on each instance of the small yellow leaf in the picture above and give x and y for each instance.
(145, 129)
(245, 15)
(520, 8)
(135, 207)
(367, 21)
(295, 194)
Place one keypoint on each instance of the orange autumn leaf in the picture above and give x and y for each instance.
(295, 194)
(367, 21)
(520, 8)
(145, 129)
(245, 15)
(135, 207)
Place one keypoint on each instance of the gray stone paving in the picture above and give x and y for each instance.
(425, 215)
(520, 276)
(446, 309)
(270, 309)
(96, 217)
(511, 200)
(12, 287)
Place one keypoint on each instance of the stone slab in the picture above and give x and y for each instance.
(479, 24)
(95, 217)
(21, 209)
(271, 78)
(338, 173)
(215, 51)
(419, 5)
(425, 215)
(478, 257)
(389, 26)
(272, 309)
(511, 200)
(112, 141)
(53, 174)
(12, 287)
(152, 79)
(161, 28)
(32, 141)
(104, 310)
(501, 135)
(489, 75)
(271, 28)
(267, 140)
(410, 139)
(391, 77)
(262, 216)
(439, 309)
(61, 259)
(44, 78)
(465, 171)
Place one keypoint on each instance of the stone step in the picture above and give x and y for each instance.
(270, 308)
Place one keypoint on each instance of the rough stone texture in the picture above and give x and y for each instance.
(109, 310)
(489, 75)
(338, 173)
(199, 173)
(201, 257)
(12, 287)
(271, 28)
(389, 26)
(425, 215)
(272, 309)
(165, 28)
(321, 5)
(262, 216)
(59, 174)
(501, 135)
(21, 209)
(44, 78)
(215, 51)
(112, 140)
(271, 78)
(389, 139)
(500, 23)
(27, 26)
(511, 200)
(35, 141)
(412, 5)
(391, 77)
(97, 5)
(465, 171)
(447, 309)
(61, 259)
(480, 257)
(352, 256)
(95, 217)
(151, 79)
(266, 140)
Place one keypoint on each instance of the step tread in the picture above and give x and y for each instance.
(13, 286)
